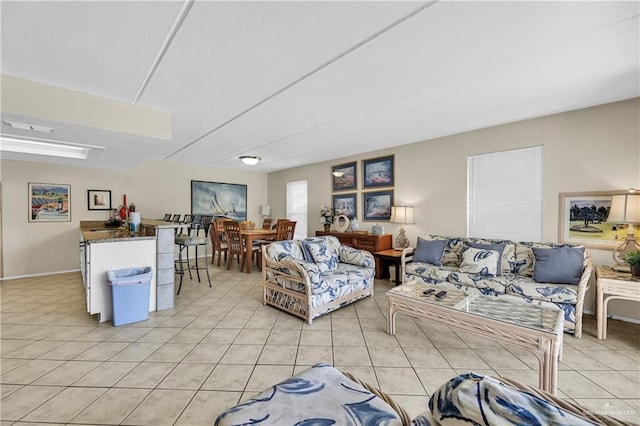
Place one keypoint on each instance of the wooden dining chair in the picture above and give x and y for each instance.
(266, 223)
(219, 240)
(235, 244)
(285, 230)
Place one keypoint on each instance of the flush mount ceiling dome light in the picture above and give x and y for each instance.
(250, 160)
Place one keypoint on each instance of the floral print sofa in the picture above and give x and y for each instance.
(311, 277)
(526, 272)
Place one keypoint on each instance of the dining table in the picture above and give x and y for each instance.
(250, 235)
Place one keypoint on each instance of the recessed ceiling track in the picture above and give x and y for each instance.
(342, 54)
(165, 46)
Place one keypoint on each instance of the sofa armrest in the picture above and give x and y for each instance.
(583, 286)
(356, 257)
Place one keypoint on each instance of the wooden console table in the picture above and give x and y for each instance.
(371, 243)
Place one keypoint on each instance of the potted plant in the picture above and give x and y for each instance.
(327, 216)
(633, 258)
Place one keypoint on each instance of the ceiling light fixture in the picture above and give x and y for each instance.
(250, 160)
(43, 147)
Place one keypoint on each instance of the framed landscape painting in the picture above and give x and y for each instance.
(344, 177)
(49, 202)
(345, 204)
(583, 219)
(376, 206)
(378, 172)
(219, 199)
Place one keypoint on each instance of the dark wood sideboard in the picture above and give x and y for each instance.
(369, 242)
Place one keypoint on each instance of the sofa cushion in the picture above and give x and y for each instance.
(322, 254)
(497, 247)
(280, 250)
(561, 265)
(427, 270)
(486, 284)
(549, 292)
(525, 259)
(480, 261)
(429, 251)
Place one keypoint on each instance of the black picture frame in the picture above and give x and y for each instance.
(345, 204)
(348, 181)
(219, 199)
(376, 205)
(378, 172)
(98, 199)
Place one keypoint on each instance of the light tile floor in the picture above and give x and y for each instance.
(220, 345)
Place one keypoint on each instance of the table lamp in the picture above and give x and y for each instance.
(401, 214)
(625, 208)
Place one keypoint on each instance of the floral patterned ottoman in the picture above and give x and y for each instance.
(321, 395)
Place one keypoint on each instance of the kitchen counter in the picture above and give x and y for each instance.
(96, 231)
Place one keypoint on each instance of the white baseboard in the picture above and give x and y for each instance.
(42, 274)
(615, 317)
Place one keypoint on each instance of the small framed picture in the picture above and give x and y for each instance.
(378, 172)
(345, 204)
(49, 202)
(344, 177)
(99, 199)
(376, 206)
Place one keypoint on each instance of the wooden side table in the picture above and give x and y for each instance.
(384, 258)
(616, 285)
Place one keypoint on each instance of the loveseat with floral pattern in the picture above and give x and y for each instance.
(311, 277)
(546, 274)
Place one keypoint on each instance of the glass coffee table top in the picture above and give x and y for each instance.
(508, 311)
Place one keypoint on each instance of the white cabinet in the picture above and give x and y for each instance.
(103, 256)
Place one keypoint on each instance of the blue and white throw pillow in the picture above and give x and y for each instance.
(322, 253)
(480, 261)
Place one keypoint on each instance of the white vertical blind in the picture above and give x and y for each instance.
(297, 206)
(504, 193)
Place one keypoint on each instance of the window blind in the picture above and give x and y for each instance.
(297, 206)
(504, 192)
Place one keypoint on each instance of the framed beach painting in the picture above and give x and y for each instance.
(49, 202)
(583, 219)
(345, 204)
(344, 177)
(219, 199)
(98, 199)
(378, 172)
(376, 206)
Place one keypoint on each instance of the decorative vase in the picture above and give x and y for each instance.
(326, 227)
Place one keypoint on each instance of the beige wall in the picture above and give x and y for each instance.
(591, 149)
(154, 187)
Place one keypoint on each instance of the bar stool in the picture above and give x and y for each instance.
(193, 238)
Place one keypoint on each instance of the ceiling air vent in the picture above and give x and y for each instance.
(27, 126)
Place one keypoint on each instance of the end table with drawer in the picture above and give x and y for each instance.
(616, 285)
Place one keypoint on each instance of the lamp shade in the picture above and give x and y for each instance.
(265, 210)
(625, 208)
(402, 214)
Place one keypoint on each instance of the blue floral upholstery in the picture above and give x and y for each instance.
(516, 281)
(473, 399)
(314, 276)
(318, 396)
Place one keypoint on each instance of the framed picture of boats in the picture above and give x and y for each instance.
(344, 177)
(378, 172)
(377, 205)
(219, 199)
(49, 202)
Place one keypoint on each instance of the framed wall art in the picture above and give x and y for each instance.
(345, 204)
(49, 202)
(376, 206)
(219, 199)
(344, 177)
(583, 219)
(99, 199)
(378, 172)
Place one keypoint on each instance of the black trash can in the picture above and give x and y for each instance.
(130, 290)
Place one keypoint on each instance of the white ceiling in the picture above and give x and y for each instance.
(301, 82)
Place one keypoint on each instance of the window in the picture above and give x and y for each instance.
(504, 195)
(297, 206)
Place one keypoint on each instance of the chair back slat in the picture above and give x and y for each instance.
(285, 230)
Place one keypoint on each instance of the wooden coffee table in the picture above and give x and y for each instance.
(537, 329)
